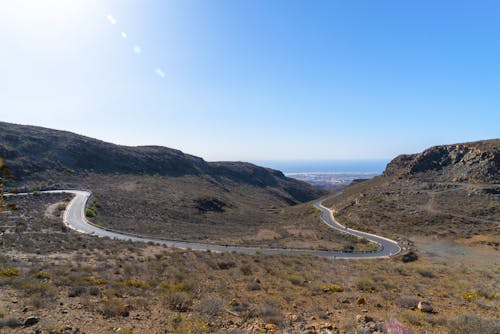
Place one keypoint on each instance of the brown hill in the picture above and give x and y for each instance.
(475, 162)
(447, 191)
(156, 190)
(32, 150)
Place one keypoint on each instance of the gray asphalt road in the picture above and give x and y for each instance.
(74, 218)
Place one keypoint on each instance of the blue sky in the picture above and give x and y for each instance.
(256, 80)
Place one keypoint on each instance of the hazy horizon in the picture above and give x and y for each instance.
(255, 80)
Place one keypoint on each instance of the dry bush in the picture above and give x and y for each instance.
(253, 286)
(11, 322)
(473, 324)
(271, 313)
(366, 283)
(407, 302)
(210, 306)
(178, 301)
(112, 307)
(246, 269)
(76, 291)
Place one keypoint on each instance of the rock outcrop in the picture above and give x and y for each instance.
(475, 162)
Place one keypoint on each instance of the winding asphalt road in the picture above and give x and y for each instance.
(74, 218)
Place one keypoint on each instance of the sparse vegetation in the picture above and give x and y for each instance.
(473, 323)
(100, 284)
(90, 213)
(135, 283)
(9, 272)
(41, 275)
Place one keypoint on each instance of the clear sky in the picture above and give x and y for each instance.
(255, 80)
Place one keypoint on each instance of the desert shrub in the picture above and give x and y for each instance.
(187, 325)
(186, 285)
(472, 324)
(407, 302)
(271, 313)
(40, 294)
(41, 275)
(487, 292)
(31, 288)
(94, 291)
(95, 280)
(135, 283)
(226, 265)
(9, 272)
(253, 286)
(210, 306)
(366, 283)
(246, 270)
(470, 295)
(409, 257)
(314, 211)
(413, 317)
(89, 213)
(178, 301)
(332, 288)
(76, 291)
(112, 307)
(12, 207)
(11, 322)
(424, 272)
(296, 279)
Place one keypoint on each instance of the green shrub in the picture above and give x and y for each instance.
(332, 288)
(296, 279)
(314, 211)
(89, 213)
(41, 275)
(9, 272)
(470, 295)
(95, 281)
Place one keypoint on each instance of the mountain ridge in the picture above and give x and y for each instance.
(32, 149)
(473, 162)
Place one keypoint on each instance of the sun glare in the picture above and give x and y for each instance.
(36, 17)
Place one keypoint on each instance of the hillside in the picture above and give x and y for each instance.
(476, 162)
(449, 191)
(163, 192)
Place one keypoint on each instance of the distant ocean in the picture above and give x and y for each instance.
(329, 175)
(326, 166)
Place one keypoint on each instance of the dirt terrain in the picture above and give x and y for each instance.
(58, 281)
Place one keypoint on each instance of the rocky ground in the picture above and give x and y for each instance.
(57, 281)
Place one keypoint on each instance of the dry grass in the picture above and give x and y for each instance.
(148, 288)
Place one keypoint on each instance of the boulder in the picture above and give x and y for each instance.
(361, 301)
(30, 321)
(425, 307)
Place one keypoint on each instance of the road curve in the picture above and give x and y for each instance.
(74, 218)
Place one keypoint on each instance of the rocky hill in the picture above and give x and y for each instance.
(156, 190)
(449, 191)
(32, 150)
(475, 162)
